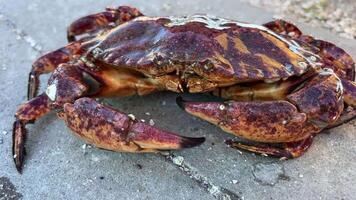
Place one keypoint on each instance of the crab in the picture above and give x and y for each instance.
(280, 87)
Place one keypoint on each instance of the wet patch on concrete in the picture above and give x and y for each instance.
(269, 173)
(8, 190)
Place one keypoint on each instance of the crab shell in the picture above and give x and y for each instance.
(204, 52)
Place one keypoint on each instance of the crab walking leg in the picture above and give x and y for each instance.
(65, 85)
(283, 27)
(333, 57)
(109, 129)
(48, 63)
(99, 21)
(349, 92)
(349, 95)
(27, 113)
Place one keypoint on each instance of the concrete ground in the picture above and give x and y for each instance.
(60, 166)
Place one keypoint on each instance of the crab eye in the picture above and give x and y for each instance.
(51, 92)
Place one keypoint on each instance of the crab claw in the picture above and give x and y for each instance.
(109, 129)
(268, 121)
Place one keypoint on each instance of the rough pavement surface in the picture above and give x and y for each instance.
(60, 166)
(336, 15)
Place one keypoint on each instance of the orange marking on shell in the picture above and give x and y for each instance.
(271, 64)
(222, 39)
(293, 57)
(239, 45)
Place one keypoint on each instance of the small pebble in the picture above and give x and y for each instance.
(164, 103)
(234, 181)
(142, 120)
(300, 175)
(4, 132)
(84, 146)
(147, 113)
(240, 152)
(178, 160)
(152, 123)
(283, 158)
(139, 166)
(101, 177)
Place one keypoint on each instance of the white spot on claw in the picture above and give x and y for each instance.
(222, 107)
(131, 116)
(52, 92)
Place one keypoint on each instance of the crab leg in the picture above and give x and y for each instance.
(283, 27)
(109, 129)
(65, 85)
(48, 63)
(100, 21)
(27, 113)
(349, 95)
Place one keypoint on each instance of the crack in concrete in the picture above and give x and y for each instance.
(20, 34)
(216, 191)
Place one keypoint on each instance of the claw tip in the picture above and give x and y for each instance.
(180, 102)
(191, 142)
(19, 168)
